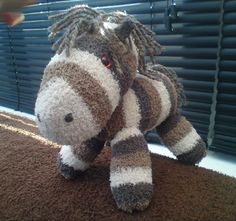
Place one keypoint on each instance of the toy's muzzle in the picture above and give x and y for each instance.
(62, 115)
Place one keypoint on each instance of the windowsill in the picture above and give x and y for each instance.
(216, 161)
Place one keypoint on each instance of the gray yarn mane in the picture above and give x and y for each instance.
(82, 19)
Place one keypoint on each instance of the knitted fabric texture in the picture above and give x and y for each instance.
(97, 89)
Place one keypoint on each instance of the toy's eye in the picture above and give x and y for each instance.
(69, 118)
(107, 62)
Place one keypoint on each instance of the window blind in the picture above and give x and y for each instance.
(224, 132)
(8, 82)
(31, 52)
(201, 49)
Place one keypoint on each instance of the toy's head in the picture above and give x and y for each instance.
(95, 64)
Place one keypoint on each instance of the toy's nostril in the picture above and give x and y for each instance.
(38, 116)
(69, 118)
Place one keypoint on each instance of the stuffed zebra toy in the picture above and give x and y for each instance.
(97, 89)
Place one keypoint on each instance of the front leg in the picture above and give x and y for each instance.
(72, 160)
(130, 170)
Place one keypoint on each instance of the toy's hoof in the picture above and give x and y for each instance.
(195, 155)
(131, 197)
(67, 171)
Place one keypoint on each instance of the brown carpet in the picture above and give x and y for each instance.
(31, 189)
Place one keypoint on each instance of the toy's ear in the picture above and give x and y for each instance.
(124, 30)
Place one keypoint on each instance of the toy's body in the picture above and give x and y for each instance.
(91, 93)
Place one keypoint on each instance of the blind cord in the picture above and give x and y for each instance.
(211, 129)
(151, 12)
(15, 69)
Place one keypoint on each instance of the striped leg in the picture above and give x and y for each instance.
(177, 133)
(72, 160)
(130, 170)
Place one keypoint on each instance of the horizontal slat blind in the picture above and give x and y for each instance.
(8, 80)
(225, 121)
(31, 52)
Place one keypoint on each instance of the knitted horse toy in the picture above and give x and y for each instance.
(97, 89)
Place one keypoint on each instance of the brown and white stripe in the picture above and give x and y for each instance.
(80, 157)
(88, 150)
(131, 110)
(146, 104)
(130, 170)
(79, 80)
(165, 90)
(187, 143)
(149, 103)
(68, 158)
(45, 103)
(130, 158)
(178, 135)
(95, 69)
(92, 87)
(116, 123)
(157, 99)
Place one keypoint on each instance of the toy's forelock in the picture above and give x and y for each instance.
(82, 19)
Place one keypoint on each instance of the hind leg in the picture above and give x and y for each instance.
(72, 160)
(177, 133)
(130, 172)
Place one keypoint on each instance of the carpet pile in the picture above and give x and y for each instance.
(32, 190)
